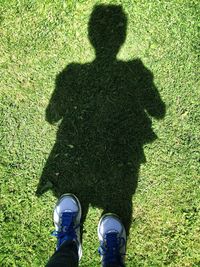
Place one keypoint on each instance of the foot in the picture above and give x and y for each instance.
(112, 237)
(67, 216)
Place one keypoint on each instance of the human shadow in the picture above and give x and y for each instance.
(105, 109)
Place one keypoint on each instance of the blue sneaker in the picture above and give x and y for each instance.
(67, 216)
(112, 237)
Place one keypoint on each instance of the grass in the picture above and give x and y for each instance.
(38, 40)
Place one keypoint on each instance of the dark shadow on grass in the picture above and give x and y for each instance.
(105, 107)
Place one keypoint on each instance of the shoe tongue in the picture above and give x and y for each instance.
(67, 219)
(112, 246)
(111, 238)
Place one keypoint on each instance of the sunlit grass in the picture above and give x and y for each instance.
(38, 40)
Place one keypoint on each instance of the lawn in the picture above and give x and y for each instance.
(121, 133)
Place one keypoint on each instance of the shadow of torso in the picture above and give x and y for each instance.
(105, 112)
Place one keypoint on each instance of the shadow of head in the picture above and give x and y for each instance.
(107, 29)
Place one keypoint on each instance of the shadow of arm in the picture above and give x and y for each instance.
(57, 106)
(152, 101)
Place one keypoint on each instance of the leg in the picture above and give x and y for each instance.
(65, 256)
(67, 216)
(112, 237)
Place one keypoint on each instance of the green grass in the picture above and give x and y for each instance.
(38, 40)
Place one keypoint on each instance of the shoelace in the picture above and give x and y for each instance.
(110, 248)
(67, 229)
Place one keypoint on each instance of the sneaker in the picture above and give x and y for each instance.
(67, 216)
(112, 237)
